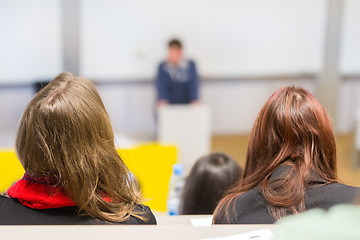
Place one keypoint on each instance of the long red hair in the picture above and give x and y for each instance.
(291, 129)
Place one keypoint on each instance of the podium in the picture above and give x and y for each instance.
(189, 128)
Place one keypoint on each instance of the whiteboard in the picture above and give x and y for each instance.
(350, 38)
(31, 40)
(126, 39)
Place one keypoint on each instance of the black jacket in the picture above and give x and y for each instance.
(251, 207)
(12, 212)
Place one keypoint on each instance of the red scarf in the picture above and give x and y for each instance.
(39, 194)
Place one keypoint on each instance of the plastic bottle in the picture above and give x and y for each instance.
(176, 184)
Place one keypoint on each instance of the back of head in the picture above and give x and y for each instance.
(65, 136)
(293, 130)
(175, 43)
(292, 127)
(209, 179)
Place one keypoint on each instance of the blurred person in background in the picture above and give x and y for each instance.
(177, 80)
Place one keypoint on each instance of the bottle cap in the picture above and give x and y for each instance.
(178, 169)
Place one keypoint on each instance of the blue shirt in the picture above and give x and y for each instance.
(178, 84)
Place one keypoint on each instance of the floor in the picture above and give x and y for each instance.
(236, 145)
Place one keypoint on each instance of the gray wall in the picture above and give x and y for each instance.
(234, 105)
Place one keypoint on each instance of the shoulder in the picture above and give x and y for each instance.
(143, 215)
(251, 200)
(328, 195)
(190, 62)
(8, 204)
(12, 212)
(344, 188)
(162, 65)
(249, 208)
(336, 190)
(146, 216)
(3, 198)
(247, 198)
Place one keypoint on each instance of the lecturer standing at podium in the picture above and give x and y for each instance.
(177, 81)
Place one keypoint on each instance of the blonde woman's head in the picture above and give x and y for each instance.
(65, 135)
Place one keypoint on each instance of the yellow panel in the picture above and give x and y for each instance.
(11, 169)
(151, 164)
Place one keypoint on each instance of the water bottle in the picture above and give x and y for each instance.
(176, 184)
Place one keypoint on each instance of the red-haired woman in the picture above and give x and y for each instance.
(290, 163)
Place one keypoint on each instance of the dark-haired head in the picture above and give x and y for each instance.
(209, 179)
(175, 43)
(293, 130)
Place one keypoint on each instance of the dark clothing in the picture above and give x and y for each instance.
(178, 84)
(12, 212)
(251, 206)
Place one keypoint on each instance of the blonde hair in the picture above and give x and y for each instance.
(65, 135)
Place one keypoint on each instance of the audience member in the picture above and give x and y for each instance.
(290, 163)
(209, 179)
(74, 174)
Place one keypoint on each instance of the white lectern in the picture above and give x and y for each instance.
(189, 128)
